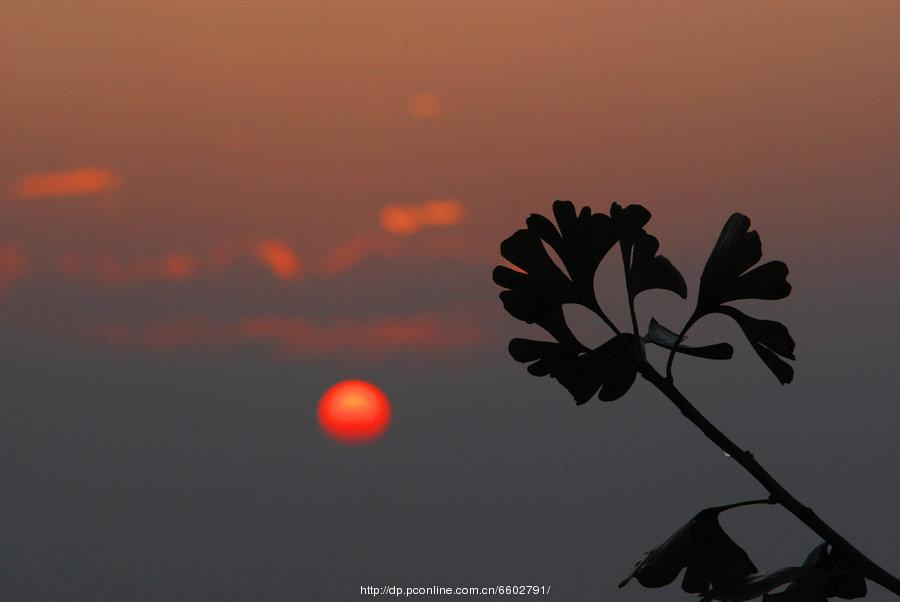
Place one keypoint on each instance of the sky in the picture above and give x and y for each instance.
(212, 211)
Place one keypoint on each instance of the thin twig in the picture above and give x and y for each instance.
(778, 493)
(687, 325)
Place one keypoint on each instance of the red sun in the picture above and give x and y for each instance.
(354, 411)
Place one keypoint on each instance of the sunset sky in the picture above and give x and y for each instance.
(212, 211)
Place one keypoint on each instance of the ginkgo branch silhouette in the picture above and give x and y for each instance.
(715, 566)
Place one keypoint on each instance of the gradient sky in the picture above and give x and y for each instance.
(211, 211)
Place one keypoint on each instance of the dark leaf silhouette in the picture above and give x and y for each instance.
(769, 339)
(821, 577)
(581, 241)
(662, 336)
(725, 277)
(703, 548)
(604, 372)
(836, 583)
(760, 583)
(728, 277)
(537, 293)
(644, 269)
(540, 288)
(714, 566)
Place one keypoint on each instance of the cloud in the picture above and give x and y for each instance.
(396, 222)
(274, 255)
(73, 182)
(354, 337)
(13, 263)
(178, 266)
(278, 257)
(297, 337)
(406, 219)
(424, 106)
(13, 266)
(157, 336)
(352, 252)
(174, 266)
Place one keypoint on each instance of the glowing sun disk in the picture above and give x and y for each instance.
(354, 411)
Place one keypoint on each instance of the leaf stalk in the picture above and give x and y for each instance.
(778, 494)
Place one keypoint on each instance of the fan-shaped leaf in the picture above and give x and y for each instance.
(769, 339)
(702, 547)
(760, 583)
(644, 269)
(726, 278)
(834, 583)
(604, 372)
(649, 270)
(581, 241)
(539, 286)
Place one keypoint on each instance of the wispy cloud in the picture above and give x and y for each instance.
(298, 337)
(397, 221)
(278, 257)
(275, 256)
(355, 337)
(13, 266)
(178, 266)
(351, 253)
(406, 219)
(72, 182)
(111, 270)
(425, 105)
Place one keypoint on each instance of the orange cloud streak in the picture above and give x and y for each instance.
(406, 219)
(298, 337)
(352, 252)
(424, 106)
(73, 182)
(175, 266)
(295, 336)
(178, 266)
(279, 258)
(13, 265)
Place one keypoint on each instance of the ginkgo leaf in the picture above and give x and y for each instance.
(539, 286)
(650, 271)
(837, 582)
(728, 276)
(644, 269)
(604, 371)
(770, 339)
(581, 240)
(758, 584)
(702, 547)
(537, 290)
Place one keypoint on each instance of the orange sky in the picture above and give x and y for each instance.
(183, 144)
(211, 211)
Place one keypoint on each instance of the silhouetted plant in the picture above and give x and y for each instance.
(715, 567)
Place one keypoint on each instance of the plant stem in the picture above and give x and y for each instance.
(778, 493)
(694, 317)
